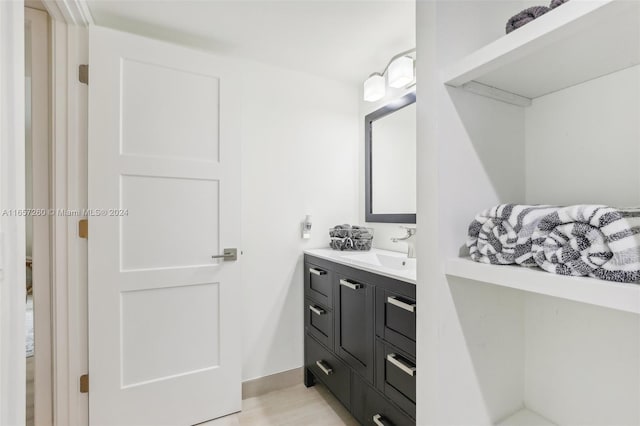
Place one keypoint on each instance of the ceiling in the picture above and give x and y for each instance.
(339, 39)
(35, 4)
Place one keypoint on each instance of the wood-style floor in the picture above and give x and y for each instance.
(294, 406)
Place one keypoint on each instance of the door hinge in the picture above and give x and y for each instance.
(84, 383)
(83, 73)
(83, 228)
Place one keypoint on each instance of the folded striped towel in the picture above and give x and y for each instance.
(501, 235)
(524, 17)
(590, 240)
(556, 3)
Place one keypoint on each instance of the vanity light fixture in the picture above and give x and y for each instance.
(374, 88)
(399, 73)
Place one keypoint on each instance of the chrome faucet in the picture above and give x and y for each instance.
(410, 239)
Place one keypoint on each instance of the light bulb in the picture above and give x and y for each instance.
(374, 88)
(401, 72)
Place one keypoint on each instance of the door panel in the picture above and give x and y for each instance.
(147, 339)
(164, 334)
(193, 211)
(151, 126)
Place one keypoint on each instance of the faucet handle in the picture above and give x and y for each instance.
(411, 230)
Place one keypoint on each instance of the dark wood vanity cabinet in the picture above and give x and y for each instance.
(360, 340)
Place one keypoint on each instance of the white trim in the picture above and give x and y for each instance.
(38, 24)
(71, 12)
(12, 230)
(69, 40)
(273, 382)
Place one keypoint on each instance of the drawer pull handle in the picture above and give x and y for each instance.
(380, 421)
(401, 365)
(315, 271)
(325, 369)
(352, 286)
(411, 307)
(317, 311)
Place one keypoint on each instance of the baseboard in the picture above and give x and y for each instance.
(273, 382)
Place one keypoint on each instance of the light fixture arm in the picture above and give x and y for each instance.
(399, 55)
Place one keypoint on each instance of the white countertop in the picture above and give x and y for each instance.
(347, 258)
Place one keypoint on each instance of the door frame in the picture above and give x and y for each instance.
(68, 109)
(12, 227)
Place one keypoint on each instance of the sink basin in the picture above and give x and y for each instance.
(377, 261)
(398, 262)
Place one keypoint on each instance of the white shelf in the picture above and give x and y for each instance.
(619, 296)
(525, 417)
(576, 42)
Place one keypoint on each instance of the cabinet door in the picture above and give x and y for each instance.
(354, 324)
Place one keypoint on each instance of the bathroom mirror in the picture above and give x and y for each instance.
(390, 162)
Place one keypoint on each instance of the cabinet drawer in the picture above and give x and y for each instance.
(379, 411)
(396, 376)
(318, 321)
(397, 320)
(318, 284)
(329, 370)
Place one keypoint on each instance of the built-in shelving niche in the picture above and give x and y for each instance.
(577, 42)
(543, 349)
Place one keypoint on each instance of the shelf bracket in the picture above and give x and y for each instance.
(494, 93)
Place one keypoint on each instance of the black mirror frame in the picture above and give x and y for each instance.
(394, 106)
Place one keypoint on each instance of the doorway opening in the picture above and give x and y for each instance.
(38, 346)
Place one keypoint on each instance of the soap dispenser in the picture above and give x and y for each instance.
(306, 228)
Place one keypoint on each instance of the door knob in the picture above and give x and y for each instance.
(227, 254)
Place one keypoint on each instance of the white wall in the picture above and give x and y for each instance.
(585, 151)
(299, 156)
(470, 155)
(427, 329)
(582, 362)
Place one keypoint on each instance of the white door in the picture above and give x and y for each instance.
(164, 170)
